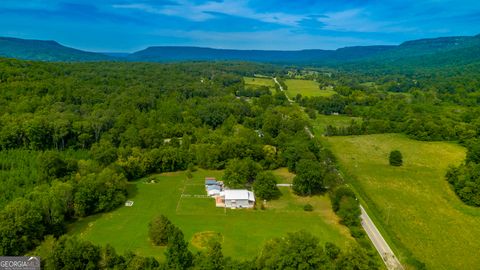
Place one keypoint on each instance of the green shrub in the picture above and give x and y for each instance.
(308, 207)
(396, 158)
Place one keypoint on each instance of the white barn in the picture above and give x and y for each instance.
(239, 198)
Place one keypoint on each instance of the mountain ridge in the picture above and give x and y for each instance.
(427, 51)
(44, 50)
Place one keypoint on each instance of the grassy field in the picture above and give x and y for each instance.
(306, 88)
(322, 121)
(259, 81)
(243, 231)
(413, 203)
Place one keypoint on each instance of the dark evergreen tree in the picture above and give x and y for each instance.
(395, 158)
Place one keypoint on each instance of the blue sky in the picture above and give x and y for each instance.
(125, 26)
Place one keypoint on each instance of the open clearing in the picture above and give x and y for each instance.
(413, 203)
(306, 88)
(243, 230)
(259, 81)
(322, 121)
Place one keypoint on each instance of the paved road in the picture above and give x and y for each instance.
(375, 236)
(379, 242)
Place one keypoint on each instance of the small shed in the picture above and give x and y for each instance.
(129, 203)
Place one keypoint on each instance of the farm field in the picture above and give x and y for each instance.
(414, 203)
(243, 231)
(322, 121)
(306, 88)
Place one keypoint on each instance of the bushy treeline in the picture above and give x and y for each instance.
(299, 250)
(64, 191)
(465, 179)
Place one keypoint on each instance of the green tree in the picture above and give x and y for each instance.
(240, 172)
(21, 227)
(212, 258)
(265, 186)
(177, 254)
(72, 253)
(51, 166)
(309, 178)
(395, 158)
(349, 211)
(104, 152)
(356, 258)
(473, 153)
(346, 205)
(159, 229)
(299, 250)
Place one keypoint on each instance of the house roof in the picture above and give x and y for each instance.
(212, 187)
(239, 194)
(210, 182)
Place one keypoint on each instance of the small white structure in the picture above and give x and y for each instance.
(129, 203)
(213, 190)
(239, 198)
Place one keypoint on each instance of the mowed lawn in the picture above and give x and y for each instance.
(414, 203)
(306, 88)
(244, 231)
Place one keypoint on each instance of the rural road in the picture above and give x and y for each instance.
(281, 89)
(373, 233)
(379, 242)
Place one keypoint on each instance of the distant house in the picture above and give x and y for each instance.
(239, 198)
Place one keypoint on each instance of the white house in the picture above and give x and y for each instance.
(239, 198)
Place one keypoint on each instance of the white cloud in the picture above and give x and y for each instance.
(358, 20)
(207, 10)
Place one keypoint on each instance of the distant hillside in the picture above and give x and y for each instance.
(175, 53)
(424, 54)
(430, 53)
(44, 51)
(442, 51)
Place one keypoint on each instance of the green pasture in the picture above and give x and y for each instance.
(243, 231)
(322, 121)
(259, 81)
(306, 88)
(413, 204)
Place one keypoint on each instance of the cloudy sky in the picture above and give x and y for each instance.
(124, 26)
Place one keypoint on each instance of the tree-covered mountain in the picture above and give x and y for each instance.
(44, 50)
(429, 52)
(313, 56)
(422, 53)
